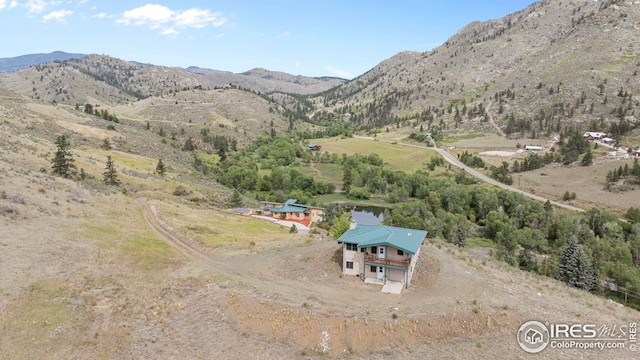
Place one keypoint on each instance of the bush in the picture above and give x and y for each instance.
(359, 195)
(180, 191)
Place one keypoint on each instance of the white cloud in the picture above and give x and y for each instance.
(286, 33)
(100, 15)
(151, 15)
(298, 64)
(58, 15)
(35, 6)
(13, 4)
(170, 32)
(3, 4)
(198, 18)
(156, 16)
(340, 73)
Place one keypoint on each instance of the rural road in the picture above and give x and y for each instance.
(454, 161)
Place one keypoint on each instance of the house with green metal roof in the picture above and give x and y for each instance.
(291, 211)
(380, 253)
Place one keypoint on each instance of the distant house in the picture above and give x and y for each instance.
(382, 253)
(314, 147)
(533, 147)
(242, 211)
(590, 135)
(291, 211)
(608, 141)
(636, 153)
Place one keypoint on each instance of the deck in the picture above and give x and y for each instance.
(374, 259)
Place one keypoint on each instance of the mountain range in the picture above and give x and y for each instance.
(555, 61)
(138, 79)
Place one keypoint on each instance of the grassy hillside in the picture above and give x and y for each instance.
(86, 276)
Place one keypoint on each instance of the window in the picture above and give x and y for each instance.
(400, 252)
(381, 250)
(374, 250)
(352, 247)
(362, 249)
(374, 269)
(349, 264)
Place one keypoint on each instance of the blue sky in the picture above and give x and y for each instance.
(342, 38)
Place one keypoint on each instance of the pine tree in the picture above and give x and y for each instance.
(161, 169)
(587, 159)
(236, 199)
(222, 154)
(110, 176)
(62, 163)
(461, 236)
(347, 179)
(106, 144)
(574, 266)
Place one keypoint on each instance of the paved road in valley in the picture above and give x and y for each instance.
(453, 160)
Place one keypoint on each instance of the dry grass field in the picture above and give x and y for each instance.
(86, 274)
(552, 181)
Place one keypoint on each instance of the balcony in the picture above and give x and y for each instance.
(374, 259)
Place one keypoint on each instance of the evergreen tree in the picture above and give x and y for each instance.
(347, 179)
(236, 199)
(587, 159)
(188, 145)
(574, 266)
(461, 236)
(293, 229)
(110, 176)
(548, 206)
(222, 154)
(62, 163)
(161, 169)
(106, 144)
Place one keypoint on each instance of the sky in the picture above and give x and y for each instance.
(343, 38)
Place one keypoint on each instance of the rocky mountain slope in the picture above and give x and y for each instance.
(555, 60)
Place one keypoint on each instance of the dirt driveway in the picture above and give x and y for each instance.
(297, 295)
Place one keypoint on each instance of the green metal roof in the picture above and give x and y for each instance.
(287, 208)
(404, 239)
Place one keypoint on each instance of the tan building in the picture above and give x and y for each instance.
(381, 252)
(291, 211)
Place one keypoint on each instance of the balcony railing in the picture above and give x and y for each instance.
(374, 259)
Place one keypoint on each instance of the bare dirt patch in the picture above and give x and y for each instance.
(498, 153)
